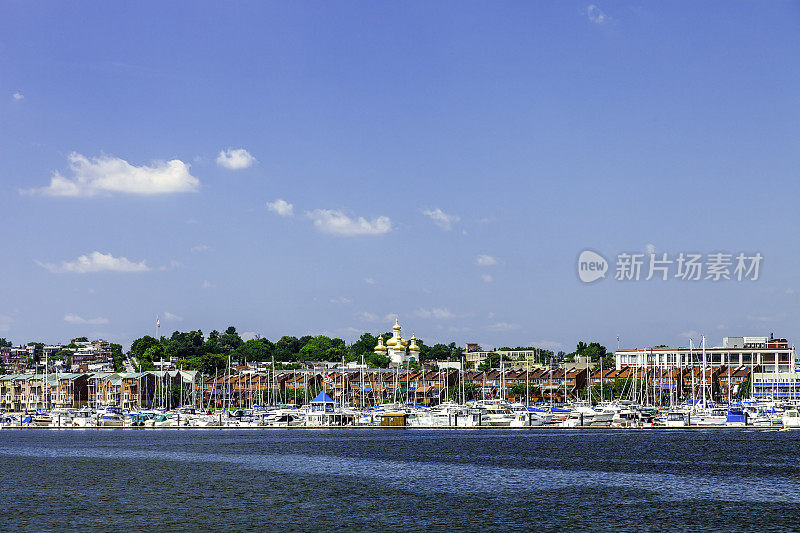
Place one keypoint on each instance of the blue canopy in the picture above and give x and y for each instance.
(322, 398)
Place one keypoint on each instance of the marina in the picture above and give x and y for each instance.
(323, 412)
(671, 388)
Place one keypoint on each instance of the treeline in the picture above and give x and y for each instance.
(194, 351)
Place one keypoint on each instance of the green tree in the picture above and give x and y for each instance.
(212, 344)
(364, 346)
(492, 361)
(5, 343)
(230, 340)
(323, 348)
(287, 348)
(208, 364)
(744, 390)
(183, 345)
(470, 392)
(116, 356)
(38, 351)
(255, 350)
(520, 390)
(153, 353)
(374, 360)
(64, 355)
(594, 351)
(141, 345)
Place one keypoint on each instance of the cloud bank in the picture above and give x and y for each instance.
(335, 222)
(96, 262)
(75, 319)
(485, 260)
(441, 219)
(235, 159)
(108, 175)
(596, 15)
(281, 207)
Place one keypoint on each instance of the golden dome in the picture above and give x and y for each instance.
(413, 347)
(396, 325)
(380, 347)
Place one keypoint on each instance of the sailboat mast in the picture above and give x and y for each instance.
(704, 372)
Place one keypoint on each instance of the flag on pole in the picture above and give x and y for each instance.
(327, 379)
(158, 322)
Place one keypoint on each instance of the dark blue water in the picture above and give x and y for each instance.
(372, 479)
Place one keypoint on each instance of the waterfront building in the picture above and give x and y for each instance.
(780, 385)
(533, 358)
(770, 354)
(29, 392)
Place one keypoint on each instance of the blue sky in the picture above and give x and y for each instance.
(444, 161)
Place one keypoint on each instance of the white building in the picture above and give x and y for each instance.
(399, 350)
(771, 355)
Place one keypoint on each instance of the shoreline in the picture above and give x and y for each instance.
(395, 428)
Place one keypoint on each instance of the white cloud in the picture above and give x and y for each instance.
(281, 207)
(485, 260)
(369, 281)
(691, 334)
(335, 222)
(767, 318)
(249, 335)
(235, 159)
(106, 174)
(547, 345)
(174, 318)
(208, 285)
(597, 16)
(502, 326)
(96, 262)
(441, 219)
(18, 96)
(372, 317)
(487, 278)
(341, 300)
(200, 248)
(440, 313)
(366, 316)
(174, 264)
(75, 319)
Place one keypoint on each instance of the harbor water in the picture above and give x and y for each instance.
(373, 479)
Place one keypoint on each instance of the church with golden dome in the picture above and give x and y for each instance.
(399, 350)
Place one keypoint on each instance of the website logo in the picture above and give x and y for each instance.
(591, 266)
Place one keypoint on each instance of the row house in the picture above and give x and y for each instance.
(124, 389)
(143, 389)
(30, 392)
